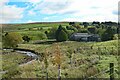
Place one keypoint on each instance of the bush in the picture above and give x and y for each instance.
(26, 38)
(91, 71)
(11, 73)
(92, 30)
(83, 31)
(71, 28)
(69, 32)
(115, 37)
(11, 40)
(41, 36)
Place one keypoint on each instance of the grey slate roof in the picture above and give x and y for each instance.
(81, 35)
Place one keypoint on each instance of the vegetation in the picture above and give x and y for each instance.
(58, 57)
(37, 31)
(12, 59)
(61, 34)
(26, 38)
(11, 40)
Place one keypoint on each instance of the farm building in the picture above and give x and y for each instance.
(84, 37)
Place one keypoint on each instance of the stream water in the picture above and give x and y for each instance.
(28, 53)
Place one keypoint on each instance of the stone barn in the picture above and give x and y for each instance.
(85, 37)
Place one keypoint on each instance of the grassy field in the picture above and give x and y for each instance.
(12, 59)
(33, 30)
(13, 27)
(86, 61)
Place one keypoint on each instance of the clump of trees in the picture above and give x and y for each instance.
(51, 34)
(92, 30)
(106, 30)
(86, 24)
(61, 34)
(26, 38)
(11, 40)
(108, 34)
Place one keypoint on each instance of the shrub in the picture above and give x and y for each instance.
(11, 73)
(11, 40)
(26, 38)
(42, 36)
(115, 37)
(92, 30)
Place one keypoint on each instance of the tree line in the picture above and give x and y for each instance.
(106, 30)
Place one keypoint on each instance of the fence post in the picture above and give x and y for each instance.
(111, 71)
(112, 51)
(99, 53)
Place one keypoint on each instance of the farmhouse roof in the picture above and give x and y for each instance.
(82, 34)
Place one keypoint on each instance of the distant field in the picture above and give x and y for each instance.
(9, 27)
(33, 30)
(34, 35)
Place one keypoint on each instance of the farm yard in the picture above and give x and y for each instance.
(57, 59)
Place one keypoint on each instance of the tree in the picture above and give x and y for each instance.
(61, 34)
(100, 31)
(58, 59)
(71, 28)
(52, 33)
(97, 26)
(30, 29)
(46, 32)
(57, 31)
(26, 38)
(95, 23)
(86, 24)
(83, 31)
(11, 40)
(69, 33)
(68, 28)
(71, 23)
(76, 26)
(92, 30)
(108, 34)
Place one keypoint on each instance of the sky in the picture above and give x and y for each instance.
(29, 11)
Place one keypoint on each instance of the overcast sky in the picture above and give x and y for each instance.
(25, 11)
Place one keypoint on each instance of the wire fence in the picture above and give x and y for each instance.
(104, 72)
(94, 76)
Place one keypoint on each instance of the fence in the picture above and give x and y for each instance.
(110, 69)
